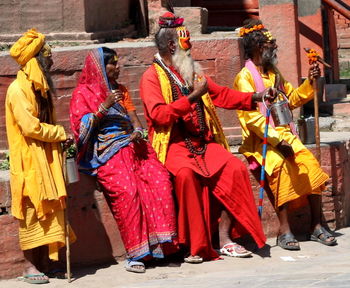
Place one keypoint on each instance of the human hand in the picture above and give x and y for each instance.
(314, 72)
(269, 94)
(112, 98)
(68, 142)
(285, 148)
(200, 87)
(136, 136)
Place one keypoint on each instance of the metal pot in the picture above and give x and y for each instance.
(280, 111)
(306, 129)
(72, 171)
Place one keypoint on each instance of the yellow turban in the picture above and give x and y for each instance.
(27, 46)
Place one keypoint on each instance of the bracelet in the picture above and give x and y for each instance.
(139, 130)
(99, 115)
(103, 108)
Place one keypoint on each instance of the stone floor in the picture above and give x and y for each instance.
(315, 265)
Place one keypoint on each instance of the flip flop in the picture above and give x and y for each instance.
(285, 239)
(321, 235)
(129, 266)
(193, 259)
(230, 249)
(28, 278)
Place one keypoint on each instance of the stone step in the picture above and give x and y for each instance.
(80, 37)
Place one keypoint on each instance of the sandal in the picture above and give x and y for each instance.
(285, 239)
(232, 250)
(32, 278)
(193, 259)
(322, 235)
(130, 266)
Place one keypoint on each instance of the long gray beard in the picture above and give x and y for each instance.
(185, 65)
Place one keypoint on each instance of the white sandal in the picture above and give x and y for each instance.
(129, 265)
(230, 249)
(193, 259)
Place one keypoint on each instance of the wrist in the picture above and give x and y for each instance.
(140, 131)
(102, 111)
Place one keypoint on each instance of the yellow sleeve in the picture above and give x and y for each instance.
(30, 125)
(299, 96)
(254, 120)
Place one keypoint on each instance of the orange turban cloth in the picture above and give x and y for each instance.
(27, 46)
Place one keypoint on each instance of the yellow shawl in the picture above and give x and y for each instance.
(161, 135)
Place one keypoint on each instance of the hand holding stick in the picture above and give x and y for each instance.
(314, 74)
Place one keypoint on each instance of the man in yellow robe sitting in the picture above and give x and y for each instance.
(293, 174)
(37, 184)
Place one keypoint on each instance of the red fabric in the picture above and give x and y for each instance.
(198, 211)
(228, 182)
(138, 190)
(158, 113)
(91, 91)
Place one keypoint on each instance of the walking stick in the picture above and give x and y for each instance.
(264, 151)
(66, 220)
(313, 59)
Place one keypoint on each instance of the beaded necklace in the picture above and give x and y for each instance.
(175, 81)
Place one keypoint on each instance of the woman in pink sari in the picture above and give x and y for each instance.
(111, 147)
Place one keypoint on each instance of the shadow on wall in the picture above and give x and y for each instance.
(98, 238)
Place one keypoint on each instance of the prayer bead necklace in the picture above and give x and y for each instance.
(201, 121)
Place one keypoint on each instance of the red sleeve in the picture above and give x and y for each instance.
(227, 98)
(156, 109)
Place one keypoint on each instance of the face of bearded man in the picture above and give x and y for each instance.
(185, 65)
(269, 56)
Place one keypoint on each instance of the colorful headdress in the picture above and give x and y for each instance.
(170, 20)
(244, 31)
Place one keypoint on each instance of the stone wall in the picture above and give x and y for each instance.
(99, 239)
(135, 59)
(63, 17)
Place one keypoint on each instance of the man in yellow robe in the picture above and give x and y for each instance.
(37, 183)
(292, 172)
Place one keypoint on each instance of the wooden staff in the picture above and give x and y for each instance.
(317, 123)
(313, 59)
(66, 220)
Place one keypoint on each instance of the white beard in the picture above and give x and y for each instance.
(185, 65)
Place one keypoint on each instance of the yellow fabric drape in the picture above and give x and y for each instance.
(161, 135)
(253, 122)
(27, 46)
(294, 179)
(35, 159)
(291, 179)
(50, 232)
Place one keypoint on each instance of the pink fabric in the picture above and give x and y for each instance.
(259, 85)
(139, 193)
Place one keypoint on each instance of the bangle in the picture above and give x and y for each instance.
(99, 115)
(103, 108)
(139, 130)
